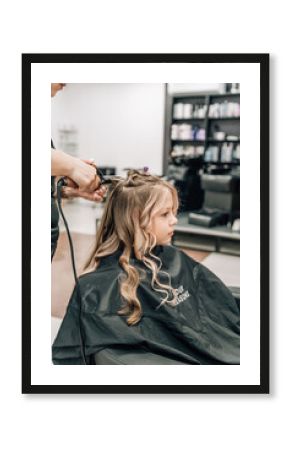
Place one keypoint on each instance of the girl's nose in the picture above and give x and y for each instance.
(173, 220)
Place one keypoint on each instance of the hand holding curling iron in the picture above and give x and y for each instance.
(84, 183)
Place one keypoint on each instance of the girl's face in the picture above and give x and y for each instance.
(163, 221)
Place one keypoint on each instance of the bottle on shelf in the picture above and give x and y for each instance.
(178, 111)
(187, 110)
(226, 152)
(224, 109)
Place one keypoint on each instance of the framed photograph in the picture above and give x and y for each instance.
(181, 281)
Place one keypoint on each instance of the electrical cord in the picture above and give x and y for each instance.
(61, 182)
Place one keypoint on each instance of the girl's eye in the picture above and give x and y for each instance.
(165, 214)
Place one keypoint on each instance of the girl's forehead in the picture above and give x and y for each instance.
(166, 199)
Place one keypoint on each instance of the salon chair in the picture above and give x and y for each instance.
(186, 180)
(221, 200)
(114, 356)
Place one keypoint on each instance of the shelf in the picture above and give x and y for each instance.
(226, 123)
(220, 238)
(192, 141)
(222, 232)
(224, 118)
(197, 95)
(223, 140)
(222, 163)
(225, 94)
(192, 119)
(186, 158)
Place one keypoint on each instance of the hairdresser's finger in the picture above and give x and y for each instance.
(93, 197)
(68, 192)
(99, 194)
(93, 186)
(96, 196)
(102, 190)
(90, 161)
(70, 183)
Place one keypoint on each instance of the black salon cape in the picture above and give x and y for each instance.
(202, 329)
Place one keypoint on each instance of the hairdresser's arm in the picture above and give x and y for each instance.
(81, 173)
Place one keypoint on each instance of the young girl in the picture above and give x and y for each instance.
(142, 301)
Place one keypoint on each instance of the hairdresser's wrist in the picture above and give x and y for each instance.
(62, 164)
(72, 167)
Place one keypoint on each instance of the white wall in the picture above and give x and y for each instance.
(119, 125)
(195, 87)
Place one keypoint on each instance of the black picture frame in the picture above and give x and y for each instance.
(263, 61)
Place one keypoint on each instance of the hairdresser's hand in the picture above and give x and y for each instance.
(82, 174)
(72, 192)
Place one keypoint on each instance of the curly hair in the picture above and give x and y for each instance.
(125, 224)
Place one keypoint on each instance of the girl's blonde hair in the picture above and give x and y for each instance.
(124, 226)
